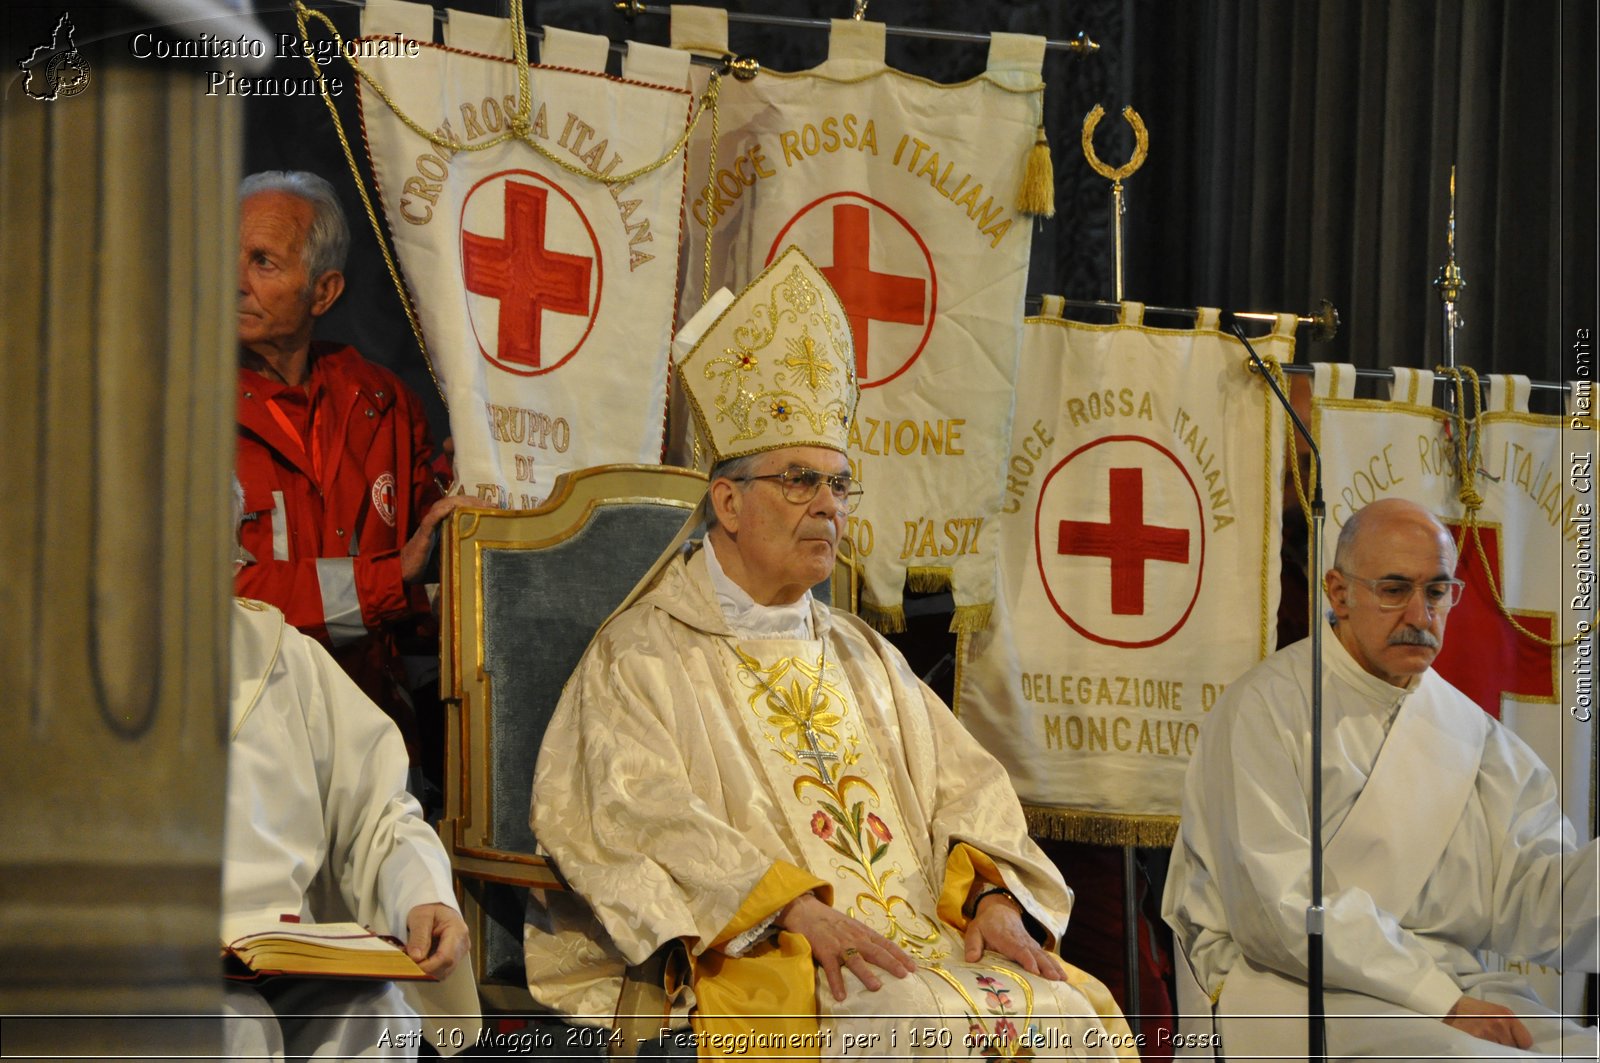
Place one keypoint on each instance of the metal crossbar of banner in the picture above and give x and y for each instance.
(1324, 325)
(1082, 44)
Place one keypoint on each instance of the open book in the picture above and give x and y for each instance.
(313, 950)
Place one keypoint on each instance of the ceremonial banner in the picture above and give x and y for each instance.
(545, 296)
(902, 191)
(1527, 556)
(1139, 560)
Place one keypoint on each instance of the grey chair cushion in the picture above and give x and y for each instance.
(540, 609)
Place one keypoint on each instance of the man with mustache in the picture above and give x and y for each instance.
(738, 766)
(1443, 835)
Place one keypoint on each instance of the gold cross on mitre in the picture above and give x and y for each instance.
(803, 356)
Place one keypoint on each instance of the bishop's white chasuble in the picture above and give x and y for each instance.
(703, 781)
(545, 296)
(1139, 559)
(903, 192)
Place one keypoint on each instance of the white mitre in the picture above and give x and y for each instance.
(773, 368)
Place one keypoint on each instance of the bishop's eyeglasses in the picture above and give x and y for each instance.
(1395, 594)
(800, 485)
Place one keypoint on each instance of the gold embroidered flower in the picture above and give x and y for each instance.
(780, 409)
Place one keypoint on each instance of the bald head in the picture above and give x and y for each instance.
(1387, 541)
(1379, 522)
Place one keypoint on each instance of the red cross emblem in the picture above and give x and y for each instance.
(1126, 540)
(537, 302)
(1119, 539)
(1484, 656)
(858, 231)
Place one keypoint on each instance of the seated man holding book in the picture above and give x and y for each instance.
(320, 829)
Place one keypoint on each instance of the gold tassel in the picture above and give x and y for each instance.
(969, 618)
(1037, 195)
(928, 579)
(890, 619)
(1100, 828)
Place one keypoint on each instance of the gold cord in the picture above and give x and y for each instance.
(521, 127)
(1468, 432)
(302, 13)
(712, 96)
(521, 120)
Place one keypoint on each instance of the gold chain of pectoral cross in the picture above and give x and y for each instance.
(803, 719)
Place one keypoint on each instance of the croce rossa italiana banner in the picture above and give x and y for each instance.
(545, 297)
(903, 192)
(1527, 557)
(1139, 567)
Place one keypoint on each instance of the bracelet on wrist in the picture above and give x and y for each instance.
(990, 892)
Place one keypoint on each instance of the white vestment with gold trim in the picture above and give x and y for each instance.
(678, 771)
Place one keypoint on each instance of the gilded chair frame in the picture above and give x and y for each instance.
(466, 826)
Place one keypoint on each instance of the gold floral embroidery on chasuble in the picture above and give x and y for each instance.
(825, 773)
(835, 793)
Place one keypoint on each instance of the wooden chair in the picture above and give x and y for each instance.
(522, 593)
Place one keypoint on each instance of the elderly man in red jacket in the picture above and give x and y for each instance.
(340, 504)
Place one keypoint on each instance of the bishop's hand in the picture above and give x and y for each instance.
(838, 941)
(997, 927)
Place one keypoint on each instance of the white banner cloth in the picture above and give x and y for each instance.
(902, 191)
(1139, 550)
(545, 297)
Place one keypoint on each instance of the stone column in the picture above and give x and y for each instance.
(117, 228)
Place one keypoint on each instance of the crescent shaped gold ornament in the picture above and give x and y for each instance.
(1141, 143)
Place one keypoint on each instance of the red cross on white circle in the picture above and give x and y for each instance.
(1119, 540)
(532, 271)
(882, 271)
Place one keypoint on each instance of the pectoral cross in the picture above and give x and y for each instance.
(821, 757)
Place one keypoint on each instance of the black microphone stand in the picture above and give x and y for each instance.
(1316, 1023)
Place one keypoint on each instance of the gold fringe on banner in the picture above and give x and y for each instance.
(1100, 828)
(926, 579)
(890, 619)
(971, 617)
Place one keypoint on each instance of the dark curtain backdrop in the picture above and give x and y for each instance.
(1299, 151)
(1312, 149)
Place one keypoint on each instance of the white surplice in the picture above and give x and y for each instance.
(1459, 846)
(678, 771)
(319, 826)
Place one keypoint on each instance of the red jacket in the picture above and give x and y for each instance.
(327, 513)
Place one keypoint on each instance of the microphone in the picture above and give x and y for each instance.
(1230, 323)
(1316, 1023)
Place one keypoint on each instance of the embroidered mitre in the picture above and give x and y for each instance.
(774, 368)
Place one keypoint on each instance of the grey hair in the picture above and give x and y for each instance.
(1347, 539)
(328, 241)
(730, 469)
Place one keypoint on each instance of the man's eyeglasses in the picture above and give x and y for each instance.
(1394, 594)
(801, 485)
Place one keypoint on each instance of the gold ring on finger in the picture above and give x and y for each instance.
(849, 954)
